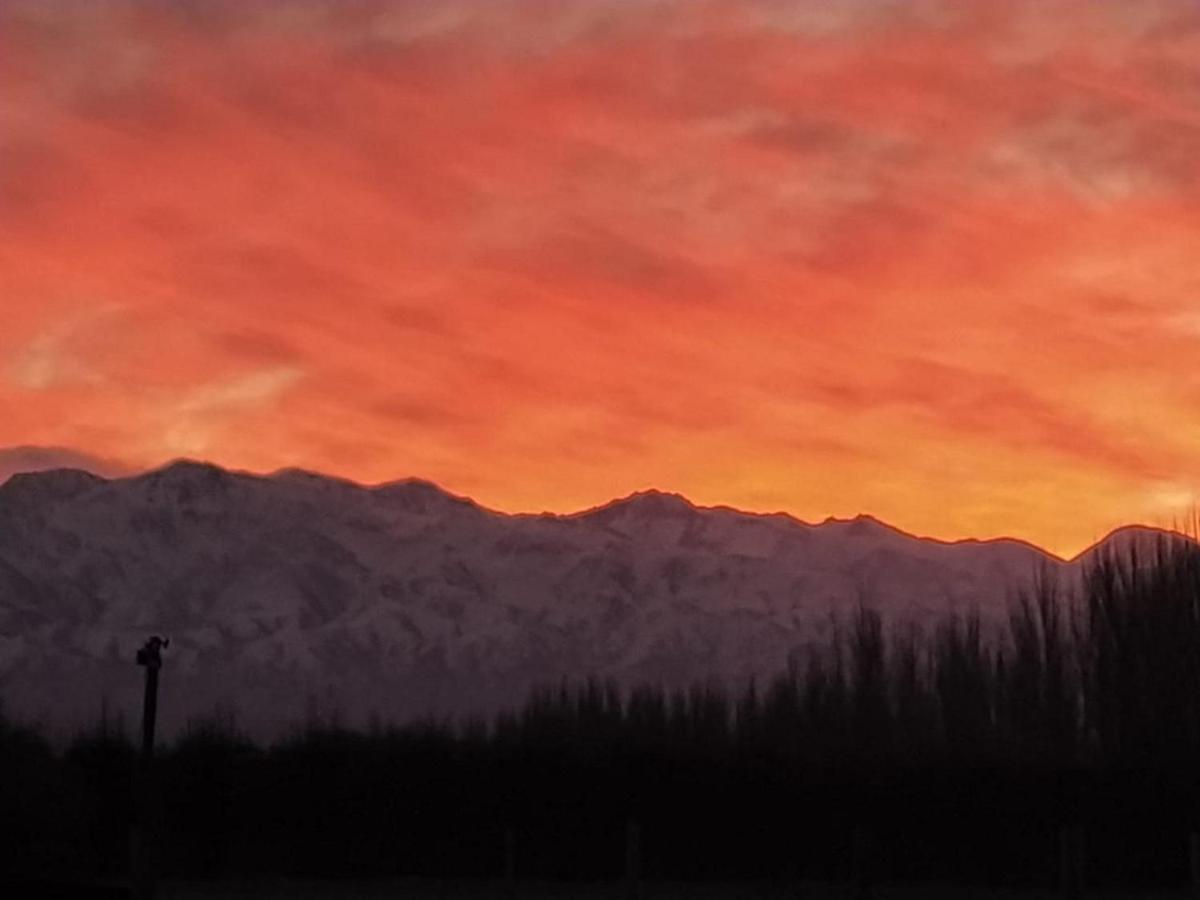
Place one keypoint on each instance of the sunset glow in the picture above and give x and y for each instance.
(934, 261)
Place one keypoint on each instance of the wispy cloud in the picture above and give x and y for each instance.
(194, 420)
(43, 363)
(58, 355)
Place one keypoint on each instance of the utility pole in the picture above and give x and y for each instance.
(143, 834)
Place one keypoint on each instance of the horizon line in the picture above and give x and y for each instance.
(1173, 531)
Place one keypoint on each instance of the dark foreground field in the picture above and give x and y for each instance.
(431, 889)
(483, 890)
(428, 890)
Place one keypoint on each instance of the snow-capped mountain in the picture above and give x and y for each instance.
(294, 591)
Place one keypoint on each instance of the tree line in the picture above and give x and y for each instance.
(959, 752)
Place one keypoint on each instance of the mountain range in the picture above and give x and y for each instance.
(294, 594)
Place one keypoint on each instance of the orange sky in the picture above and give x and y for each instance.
(935, 261)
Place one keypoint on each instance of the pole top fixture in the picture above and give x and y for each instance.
(150, 655)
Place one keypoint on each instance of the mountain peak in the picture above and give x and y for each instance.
(188, 480)
(50, 484)
(861, 525)
(1142, 539)
(420, 496)
(648, 504)
(296, 475)
(180, 469)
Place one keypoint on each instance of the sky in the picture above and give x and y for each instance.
(931, 261)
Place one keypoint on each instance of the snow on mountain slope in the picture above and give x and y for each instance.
(292, 590)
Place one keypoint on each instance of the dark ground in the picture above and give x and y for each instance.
(412, 889)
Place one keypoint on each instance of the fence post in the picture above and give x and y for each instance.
(1071, 861)
(143, 833)
(632, 860)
